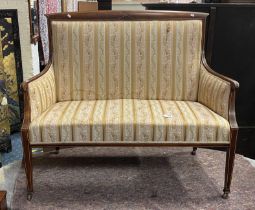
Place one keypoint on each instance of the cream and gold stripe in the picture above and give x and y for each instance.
(191, 123)
(160, 125)
(175, 122)
(127, 59)
(214, 92)
(144, 121)
(101, 62)
(66, 122)
(129, 120)
(42, 93)
(76, 58)
(153, 64)
(127, 55)
(82, 121)
(50, 130)
(108, 77)
(113, 119)
(98, 121)
(36, 132)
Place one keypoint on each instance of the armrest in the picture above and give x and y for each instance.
(217, 92)
(39, 94)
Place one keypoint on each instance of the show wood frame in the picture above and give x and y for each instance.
(131, 16)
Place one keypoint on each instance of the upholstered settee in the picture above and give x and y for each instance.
(129, 79)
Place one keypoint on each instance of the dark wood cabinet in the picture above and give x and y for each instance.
(230, 50)
(104, 4)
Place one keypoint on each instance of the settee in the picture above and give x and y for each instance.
(122, 78)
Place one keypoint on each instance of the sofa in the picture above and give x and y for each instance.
(122, 78)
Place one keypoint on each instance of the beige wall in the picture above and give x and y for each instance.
(154, 1)
(140, 1)
(30, 61)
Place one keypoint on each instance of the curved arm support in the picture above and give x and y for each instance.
(39, 94)
(218, 93)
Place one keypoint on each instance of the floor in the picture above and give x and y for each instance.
(16, 153)
(8, 176)
(12, 163)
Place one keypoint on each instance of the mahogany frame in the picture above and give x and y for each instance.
(131, 16)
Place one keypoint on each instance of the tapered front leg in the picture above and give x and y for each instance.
(27, 152)
(230, 157)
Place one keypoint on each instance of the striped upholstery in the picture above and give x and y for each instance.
(127, 59)
(128, 82)
(42, 93)
(129, 121)
(214, 92)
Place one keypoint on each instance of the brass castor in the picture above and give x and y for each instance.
(194, 151)
(225, 195)
(29, 196)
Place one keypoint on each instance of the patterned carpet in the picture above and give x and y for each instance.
(135, 178)
(16, 153)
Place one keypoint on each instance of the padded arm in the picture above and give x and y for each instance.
(217, 92)
(39, 94)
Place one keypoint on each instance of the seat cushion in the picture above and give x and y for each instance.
(129, 121)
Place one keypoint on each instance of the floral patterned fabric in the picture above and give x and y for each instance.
(46, 7)
(128, 82)
(129, 121)
(127, 59)
(70, 5)
(214, 92)
(42, 93)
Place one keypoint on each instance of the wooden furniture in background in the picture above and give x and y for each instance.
(3, 203)
(230, 48)
(104, 4)
(237, 1)
(87, 6)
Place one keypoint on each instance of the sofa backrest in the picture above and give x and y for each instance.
(132, 57)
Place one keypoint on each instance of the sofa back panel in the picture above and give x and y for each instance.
(127, 59)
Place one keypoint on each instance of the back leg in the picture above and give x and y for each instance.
(57, 150)
(194, 151)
